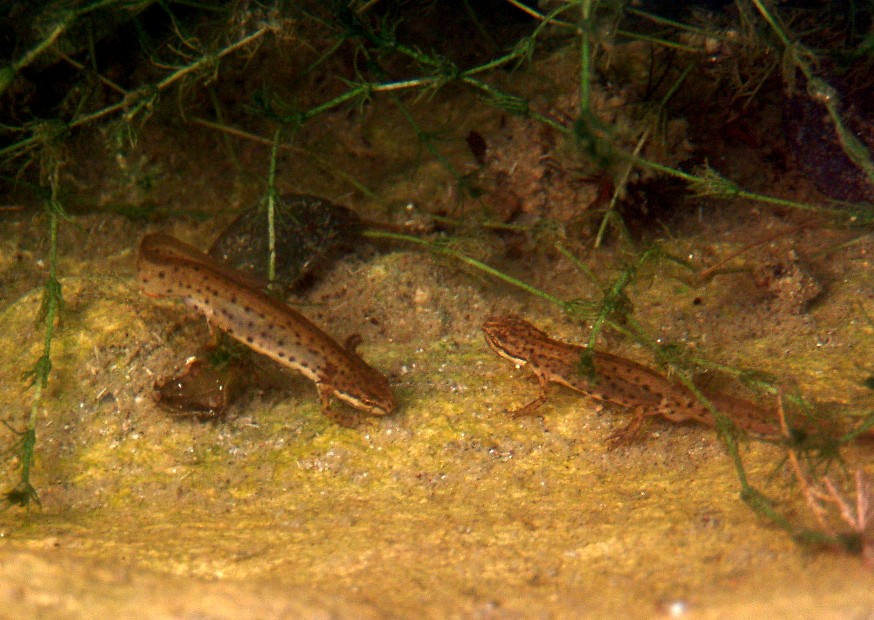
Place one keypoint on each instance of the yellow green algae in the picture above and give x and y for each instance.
(449, 508)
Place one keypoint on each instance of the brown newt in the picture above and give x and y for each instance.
(616, 380)
(231, 301)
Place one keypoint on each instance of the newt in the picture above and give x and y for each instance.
(231, 301)
(616, 380)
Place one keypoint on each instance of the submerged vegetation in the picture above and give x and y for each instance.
(263, 73)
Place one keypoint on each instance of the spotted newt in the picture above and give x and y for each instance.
(616, 380)
(168, 267)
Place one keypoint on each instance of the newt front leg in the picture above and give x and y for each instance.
(628, 433)
(532, 407)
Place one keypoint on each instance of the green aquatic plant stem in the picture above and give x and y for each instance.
(663, 102)
(226, 138)
(495, 96)
(24, 492)
(427, 140)
(424, 138)
(443, 248)
(611, 214)
(327, 166)
(710, 183)
(664, 21)
(576, 262)
(143, 98)
(858, 153)
(866, 424)
(636, 36)
(773, 22)
(442, 72)
(819, 90)
(271, 207)
(545, 19)
(9, 72)
(513, 104)
(60, 26)
(135, 101)
(614, 301)
(586, 28)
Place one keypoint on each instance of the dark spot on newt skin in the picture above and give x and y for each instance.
(249, 339)
(161, 274)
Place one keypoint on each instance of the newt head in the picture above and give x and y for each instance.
(513, 338)
(374, 397)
